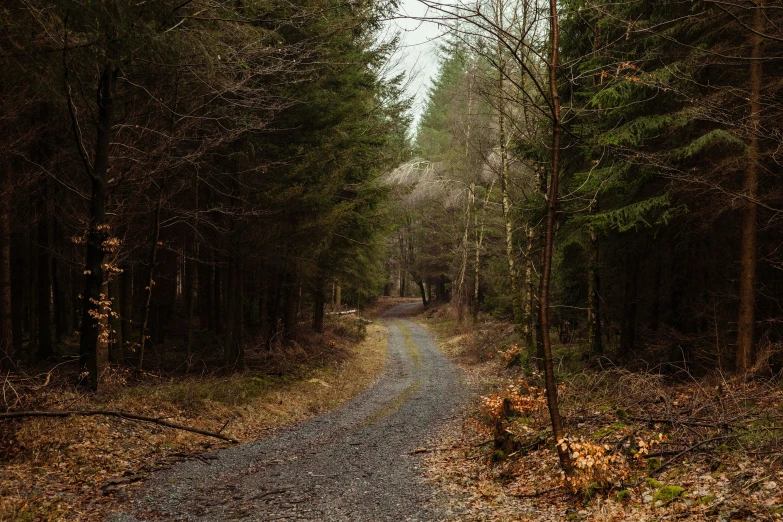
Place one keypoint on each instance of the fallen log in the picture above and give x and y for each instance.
(119, 414)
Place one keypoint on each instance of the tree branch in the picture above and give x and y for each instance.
(115, 413)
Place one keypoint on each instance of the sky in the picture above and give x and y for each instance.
(418, 54)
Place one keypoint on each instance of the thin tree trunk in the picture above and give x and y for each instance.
(31, 313)
(126, 310)
(320, 302)
(7, 346)
(655, 314)
(543, 189)
(463, 270)
(423, 294)
(235, 354)
(145, 317)
(17, 275)
(115, 321)
(594, 339)
(45, 349)
(88, 345)
(479, 233)
(58, 295)
(289, 312)
(527, 305)
(193, 278)
(549, 371)
(217, 303)
(748, 251)
(630, 298)
(263, 303)
(60, 323)
(506, 200)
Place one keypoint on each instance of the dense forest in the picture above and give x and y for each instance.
(188, 170)
(609, 171)
(198, 184)
(667, 219)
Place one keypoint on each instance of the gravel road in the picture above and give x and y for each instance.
(353, 464)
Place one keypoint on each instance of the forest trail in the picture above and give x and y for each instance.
(354, 463)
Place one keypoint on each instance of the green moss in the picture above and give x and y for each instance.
(621, 413)
(606, 430)
(653, 463)
(702, 501)
(667, 493)
(623, 495)
(652, 483)
(591, 491)
(498, 456)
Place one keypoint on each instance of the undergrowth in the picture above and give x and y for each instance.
(645, 445)
(68, 469)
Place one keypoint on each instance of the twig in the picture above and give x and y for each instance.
(114, 413)
(678, 421)
(691, 448)
(224, 425)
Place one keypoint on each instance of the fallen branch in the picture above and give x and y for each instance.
(115, 413)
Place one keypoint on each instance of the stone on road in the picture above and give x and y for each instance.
(353, 464)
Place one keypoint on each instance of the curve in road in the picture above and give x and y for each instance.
(353, 464)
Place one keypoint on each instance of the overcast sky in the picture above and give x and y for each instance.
(418, 55)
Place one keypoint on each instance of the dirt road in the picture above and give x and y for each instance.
(353, 464)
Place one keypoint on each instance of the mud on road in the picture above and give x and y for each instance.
(353, 464)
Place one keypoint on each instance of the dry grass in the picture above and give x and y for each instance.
(64, 469)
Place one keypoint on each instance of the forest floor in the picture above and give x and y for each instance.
(82, 468)
(648, 445)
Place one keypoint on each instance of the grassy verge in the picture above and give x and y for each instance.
(80, 467)
(647, 446)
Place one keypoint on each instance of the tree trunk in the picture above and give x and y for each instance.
(17, 296)
(7, 346)
(527, 305)
(594, 339)
(31, 313)
(235, 353)
(263, 303)
(320, 301)
(59, 295)
(191, 266)
(630, 299)
(748, 252)
(144, 335)
(58, 300)
(655, 314)
(549, 371)
(217, 303)
(423, 293)
(338, 296)
(126, 310)
(289, 313)
(88, 346)
(115, 320)
(462, 295)
(506, 200)
(45, 350)
(478, 231)
(204, 295)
